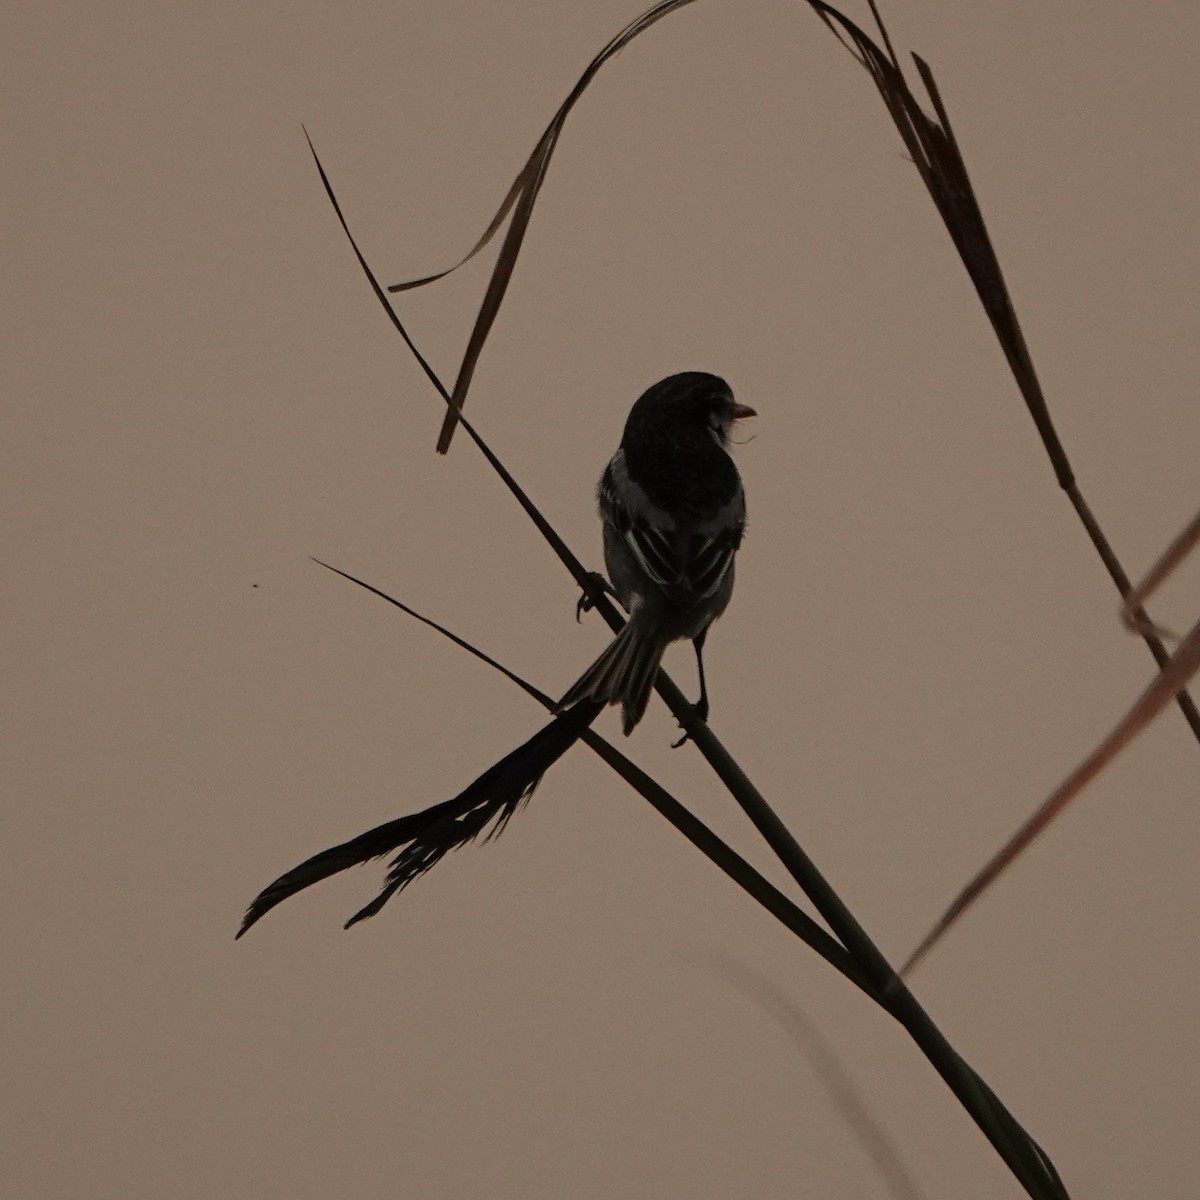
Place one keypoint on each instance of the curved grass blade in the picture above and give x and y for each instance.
(522, 194)
(518, 187)
(935, 152)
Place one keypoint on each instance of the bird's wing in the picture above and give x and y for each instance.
(689, 561)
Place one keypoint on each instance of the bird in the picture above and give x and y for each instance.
(673, 512)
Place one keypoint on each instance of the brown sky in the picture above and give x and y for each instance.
(201, 392)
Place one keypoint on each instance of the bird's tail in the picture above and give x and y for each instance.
(623, 674)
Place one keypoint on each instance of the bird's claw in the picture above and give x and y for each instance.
(698, 713)
(596, 585)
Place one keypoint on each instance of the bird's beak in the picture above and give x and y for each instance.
(742, 410)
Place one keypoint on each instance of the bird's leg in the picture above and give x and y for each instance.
(700, 708)
(595, 587)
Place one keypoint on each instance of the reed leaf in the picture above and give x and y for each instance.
(523, 194)
(934, 150)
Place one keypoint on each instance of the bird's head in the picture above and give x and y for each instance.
(691, 400)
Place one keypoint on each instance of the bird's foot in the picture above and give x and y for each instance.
(595, 587)
(699, 713)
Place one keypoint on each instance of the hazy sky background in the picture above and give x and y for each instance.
(201, 392)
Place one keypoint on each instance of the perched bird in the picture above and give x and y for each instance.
(673, 512)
